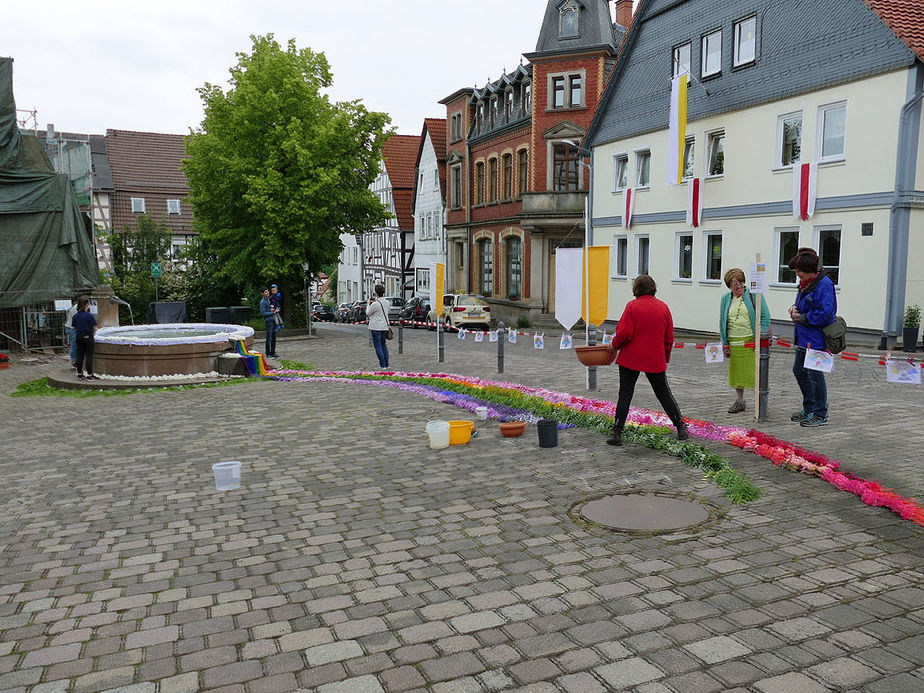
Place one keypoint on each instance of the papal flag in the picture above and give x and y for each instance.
(677, 134)
(804, 184)
(694, 202)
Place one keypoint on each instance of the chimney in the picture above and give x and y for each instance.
(50, 131)
(624, 12)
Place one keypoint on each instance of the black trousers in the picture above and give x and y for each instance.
(85, 345)
(627, 380)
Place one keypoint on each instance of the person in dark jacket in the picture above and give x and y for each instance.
(644, 340)
(269, 322)
(85, 327)
(815, 308)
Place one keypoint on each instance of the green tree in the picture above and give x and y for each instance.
(277, 171)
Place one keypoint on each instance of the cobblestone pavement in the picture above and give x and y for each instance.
(355, 559)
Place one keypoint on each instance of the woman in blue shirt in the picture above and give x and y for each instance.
(815, 308)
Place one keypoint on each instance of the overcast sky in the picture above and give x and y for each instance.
(136, 64)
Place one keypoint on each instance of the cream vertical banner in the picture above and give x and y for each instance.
(677, 133)
(568, 273)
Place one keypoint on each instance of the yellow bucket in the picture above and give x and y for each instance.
(460, 432)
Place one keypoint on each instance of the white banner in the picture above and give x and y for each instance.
(569, 273)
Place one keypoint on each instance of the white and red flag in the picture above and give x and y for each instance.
(677, 129)
(694, 202)
(628, 202)
(804, 189)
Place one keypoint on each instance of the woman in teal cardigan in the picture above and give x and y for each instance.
(737, 321)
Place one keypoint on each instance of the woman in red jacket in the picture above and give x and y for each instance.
(644, 340)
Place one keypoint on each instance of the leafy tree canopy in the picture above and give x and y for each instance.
(276, 172)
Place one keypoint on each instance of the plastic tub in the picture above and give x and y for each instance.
(439, 434)
(460, 432)
(227, 475)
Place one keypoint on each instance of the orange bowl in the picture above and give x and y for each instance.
(594, 355)
(513, 429)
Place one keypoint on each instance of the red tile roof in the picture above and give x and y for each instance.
(400, 154)
(147, 164)
(905, 18)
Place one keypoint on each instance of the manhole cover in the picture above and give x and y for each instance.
(637, 511)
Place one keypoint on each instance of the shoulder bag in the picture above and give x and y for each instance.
(389, 334)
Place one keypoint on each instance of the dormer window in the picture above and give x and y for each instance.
(526, 99)
(508, 104)
(568, 20)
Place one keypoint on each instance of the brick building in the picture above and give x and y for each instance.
(516, 188)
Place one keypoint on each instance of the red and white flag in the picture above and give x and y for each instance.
(804, 188)
(628, 202)
(694, 202)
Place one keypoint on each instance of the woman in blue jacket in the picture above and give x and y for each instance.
(815, 308)
(737, 327)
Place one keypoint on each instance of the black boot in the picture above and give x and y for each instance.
(616, 437)
(682, 433)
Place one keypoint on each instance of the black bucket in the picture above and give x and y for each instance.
(548, 433)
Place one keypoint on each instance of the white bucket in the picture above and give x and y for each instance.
(227, 475)
(481, 413)
(439, 434)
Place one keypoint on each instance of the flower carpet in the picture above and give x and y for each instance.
(507, 401)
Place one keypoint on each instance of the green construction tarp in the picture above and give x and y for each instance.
(46, 242)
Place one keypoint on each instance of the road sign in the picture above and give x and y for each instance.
(157, 269)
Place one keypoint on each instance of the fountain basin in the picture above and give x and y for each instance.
(170, 349)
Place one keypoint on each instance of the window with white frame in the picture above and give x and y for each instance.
(712, 248)
(455, 127)
(689, 157)
(832, 131)
(436, 179)
(716, 153)
(684, 255)
(514, 268)
(829, 250)
(643, 168)
(642, 254)
(680, 59)
(620, 172)
(786, 242)
(430, 225)
(788, 139)
(422, 228)
(508, 105)
(621, 259)
(526, 98)
(745, 41)
(137, 205)
(712, 54)
(173, 206)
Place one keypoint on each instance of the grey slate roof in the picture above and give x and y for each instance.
(595, 28)
(802, 46)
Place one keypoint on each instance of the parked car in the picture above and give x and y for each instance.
(322, 312)
(357, 312)
(463, 310)
(395, 305)
(416, 310)
(341, 311)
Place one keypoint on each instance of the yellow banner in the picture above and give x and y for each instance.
(597, 268)
(437, 286)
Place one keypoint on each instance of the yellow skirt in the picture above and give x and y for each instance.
(741, 367)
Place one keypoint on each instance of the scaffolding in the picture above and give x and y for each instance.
(71, 155)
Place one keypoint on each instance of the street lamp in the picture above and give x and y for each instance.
(305, 269)
(588, 235)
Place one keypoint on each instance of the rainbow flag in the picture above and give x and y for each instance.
(253, 360)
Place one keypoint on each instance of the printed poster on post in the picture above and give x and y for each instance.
(539, 341)
(898, 371)
(565, 342)
(714, 353)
